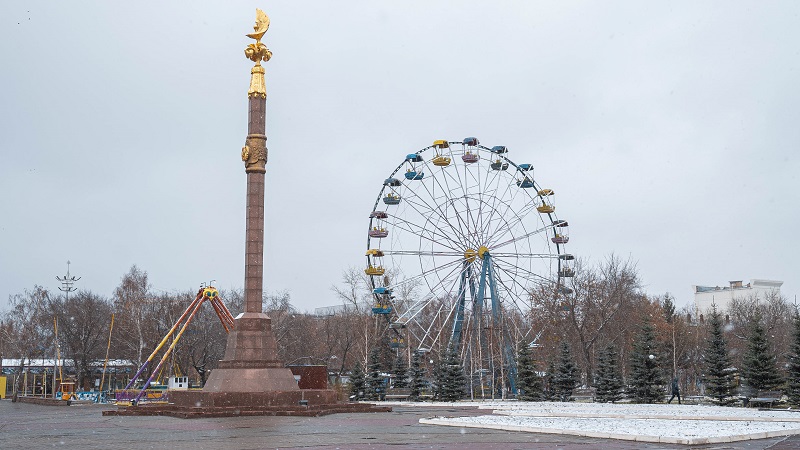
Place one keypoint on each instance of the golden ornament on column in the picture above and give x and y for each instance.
(254, 152)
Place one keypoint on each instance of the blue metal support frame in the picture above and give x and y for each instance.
(455, 338)
(508, 350)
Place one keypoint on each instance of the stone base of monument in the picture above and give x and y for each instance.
(249, 381)
(199, 404)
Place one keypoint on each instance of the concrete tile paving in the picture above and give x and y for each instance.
(24, 426)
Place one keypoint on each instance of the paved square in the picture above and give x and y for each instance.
(24, 426)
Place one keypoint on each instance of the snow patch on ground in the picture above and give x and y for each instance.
(682, 424)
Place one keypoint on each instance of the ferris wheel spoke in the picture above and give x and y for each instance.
(423, 253)
(505, 205)
(499, 198)
(543, 279)
(490, 193)
(503, 226)
(442, 330)
(469, 222)
(420, 305)
(473, 237)
(508, 206)
(420, 230)
(424, 273)
(415, 331)
(443, 303)
(454, 209)
(469, 172)
(525, 255)
(460, 182)
(438, 213)
(506, 227)
(449, 194)
(524, 236)
(510, 289)
(512, 296)
(489, 238)
(427, 332)
(454, 196)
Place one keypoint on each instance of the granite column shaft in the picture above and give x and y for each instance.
(254, 240)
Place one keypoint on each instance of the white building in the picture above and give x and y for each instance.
(330, 310)
(705, 296)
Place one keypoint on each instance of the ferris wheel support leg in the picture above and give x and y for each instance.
(478, 303)
(455, 338)
(508, 351)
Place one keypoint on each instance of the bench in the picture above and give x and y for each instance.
(397, 394)
(765, 397)
(584, 394)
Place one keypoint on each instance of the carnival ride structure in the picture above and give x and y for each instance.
(456, 247)
(206, 293)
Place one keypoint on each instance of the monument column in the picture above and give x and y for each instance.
(254, 155)
(251, 357)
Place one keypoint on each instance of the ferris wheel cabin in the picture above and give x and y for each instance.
(525, 183)
(562, 232)
(383, 301)
(469, 155)
(391, 199)
(499, 165)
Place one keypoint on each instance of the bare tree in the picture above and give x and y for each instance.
(27, 328)
(135, 315)
(83, 328)
(596, 314)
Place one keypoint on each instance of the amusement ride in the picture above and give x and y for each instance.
(459, 238)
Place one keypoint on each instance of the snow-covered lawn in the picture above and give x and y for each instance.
(682, 424)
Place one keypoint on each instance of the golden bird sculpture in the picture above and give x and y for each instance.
(258, 52)
(261, 26)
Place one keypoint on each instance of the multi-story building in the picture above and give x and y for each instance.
(705, 296)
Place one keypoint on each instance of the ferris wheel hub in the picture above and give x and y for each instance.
(470, 254)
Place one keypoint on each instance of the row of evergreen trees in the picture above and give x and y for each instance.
(759, 365)
(560, 379)
(645, 384)
(449, 381)
(646, 380)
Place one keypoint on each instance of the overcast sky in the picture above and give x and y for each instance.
(669, 131)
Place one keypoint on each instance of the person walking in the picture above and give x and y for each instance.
(675, 391)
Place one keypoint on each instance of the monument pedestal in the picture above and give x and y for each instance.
(251, 361)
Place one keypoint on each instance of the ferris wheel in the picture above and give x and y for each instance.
(459, 238)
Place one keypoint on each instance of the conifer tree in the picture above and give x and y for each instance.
(609, 381)
(417, 375)
(374, 389)
(400, 371)
(453, 380)
(794, 365)
(646, 379)
(565, 380)
(760, 363)
(529, 384)
(438, 378)
(668, 307)
(718, 376)
(550, 382)
(357, 382)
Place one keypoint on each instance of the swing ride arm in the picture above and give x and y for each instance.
(191, 307)
(169, 349)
